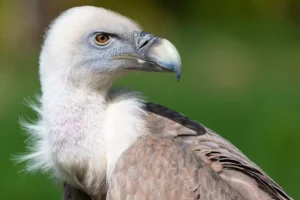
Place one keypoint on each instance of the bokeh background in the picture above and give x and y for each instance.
(241, 68)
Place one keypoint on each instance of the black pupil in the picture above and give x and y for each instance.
(103, 38)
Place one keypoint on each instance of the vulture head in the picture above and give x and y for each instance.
(90, 47)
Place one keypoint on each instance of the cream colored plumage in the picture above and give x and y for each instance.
(100, 141)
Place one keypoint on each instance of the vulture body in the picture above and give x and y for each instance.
(106, 144)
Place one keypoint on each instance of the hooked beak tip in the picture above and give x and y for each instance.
(178, 76)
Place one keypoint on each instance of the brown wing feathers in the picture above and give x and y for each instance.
(219, 150)
(163, 169)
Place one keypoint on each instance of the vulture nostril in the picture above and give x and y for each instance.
(144, 44)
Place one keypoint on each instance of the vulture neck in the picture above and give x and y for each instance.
(73, 119)
(89, 129)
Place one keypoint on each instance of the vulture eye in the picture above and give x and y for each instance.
(101, 39)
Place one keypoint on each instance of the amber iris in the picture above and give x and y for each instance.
(102, 38)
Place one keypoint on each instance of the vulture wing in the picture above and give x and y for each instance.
(182, 159)
(166, 168)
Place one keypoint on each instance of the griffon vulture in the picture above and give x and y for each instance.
(106, 144)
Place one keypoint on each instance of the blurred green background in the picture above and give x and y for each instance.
(241, 68)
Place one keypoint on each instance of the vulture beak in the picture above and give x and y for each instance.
(154, 54)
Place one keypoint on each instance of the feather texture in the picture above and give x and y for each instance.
(182, 159)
